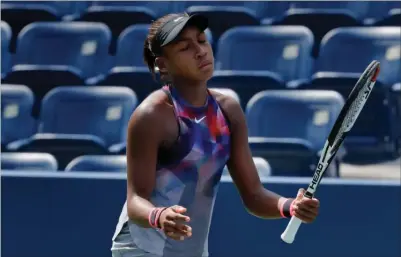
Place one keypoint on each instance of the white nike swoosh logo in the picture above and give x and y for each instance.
(197, 121)
(179, 18)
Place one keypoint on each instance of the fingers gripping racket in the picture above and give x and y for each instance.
(345, 121)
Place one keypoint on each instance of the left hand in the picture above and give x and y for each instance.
(304, 208)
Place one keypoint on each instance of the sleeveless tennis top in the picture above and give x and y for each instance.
(188, 175)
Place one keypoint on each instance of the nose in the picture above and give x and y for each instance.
(200, 51)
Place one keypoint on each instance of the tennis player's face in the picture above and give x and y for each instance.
(190, 56)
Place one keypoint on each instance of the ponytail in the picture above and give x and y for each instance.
(149, 58)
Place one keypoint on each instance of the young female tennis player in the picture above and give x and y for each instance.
(179, 140)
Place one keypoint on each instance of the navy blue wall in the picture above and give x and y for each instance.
(74, 216)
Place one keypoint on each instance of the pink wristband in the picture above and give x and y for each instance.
(158, 214)
(151, 213)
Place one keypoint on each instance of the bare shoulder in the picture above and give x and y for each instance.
(152, 113)
(230, 106)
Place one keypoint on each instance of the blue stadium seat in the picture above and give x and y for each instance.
(285, 115)
(51, 54)
(119, 15)
(129, 68)
(381, 10)
(19, 14)
(392, 19)
(98, 163)
(106, 115)
(286, 156)
(16, 108)
(246, 83)
(263, 167)
(319, 21)
(67, 131)
(376, 135)
(223, 18)
(158, 8)
(28, 161)
(261, 9)
(358, 9)
(5, 52)
(285, 50)
(352, 49)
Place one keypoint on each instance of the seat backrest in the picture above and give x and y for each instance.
(260, 8)
(357, 8)
(99, 163)
(83, 45)
(28, 161)
(285, 50)
(101, 111)
(16, 108)
(60, 8)
(5, 44)
(130, 46)
(302, 114)
(380, 9)
(352, 50)
(160, 8)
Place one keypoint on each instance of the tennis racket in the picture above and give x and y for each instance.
(345, 121)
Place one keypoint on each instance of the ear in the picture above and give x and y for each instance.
(161, 64)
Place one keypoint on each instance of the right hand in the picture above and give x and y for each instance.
(172, 223)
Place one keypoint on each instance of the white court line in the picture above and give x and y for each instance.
(224, 179)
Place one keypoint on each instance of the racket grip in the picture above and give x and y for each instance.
(290, 232)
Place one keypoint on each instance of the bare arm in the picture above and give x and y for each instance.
(258, 200)
(146, 132)
(143, 139)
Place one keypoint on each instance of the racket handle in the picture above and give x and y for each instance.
(290, 232)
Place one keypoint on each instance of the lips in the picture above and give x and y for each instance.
(204, 64)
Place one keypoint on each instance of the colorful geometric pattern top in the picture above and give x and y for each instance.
(188, 174)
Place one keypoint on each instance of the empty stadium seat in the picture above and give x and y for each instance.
(376, 135)
(223, 18)
(81, 120)
(5, 53)
(305, 117)
(158, 8)
(129, 68)
(284, 50)
(229, 92)
(381, 10)
(119, 15)
(305, 114)
(98, 163)
(261, 9)
(16, 107)
(319, 21)
(358, 9)
(51, 54)
(393, 18)
(28, 161)
(246, 83)
(286, 156)
(262, 166)
(20, 14)
(352, 50)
